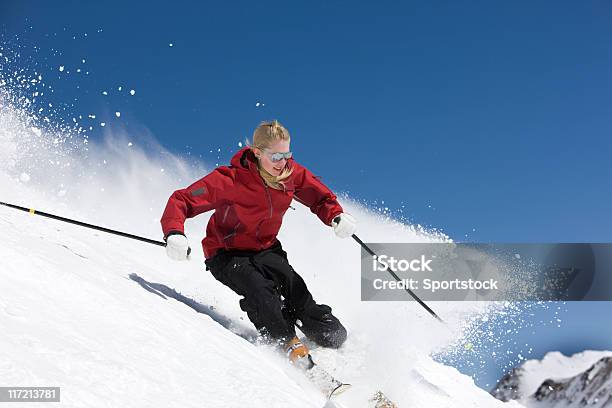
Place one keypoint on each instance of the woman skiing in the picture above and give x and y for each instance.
(250, 197)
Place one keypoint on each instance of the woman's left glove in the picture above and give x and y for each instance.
(344, 225)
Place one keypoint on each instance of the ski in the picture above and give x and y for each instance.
(332, 387)
(322, 379)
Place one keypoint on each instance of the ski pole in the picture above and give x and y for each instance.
(84, 224)
(397, 278)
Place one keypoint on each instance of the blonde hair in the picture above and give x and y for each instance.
(265, 135)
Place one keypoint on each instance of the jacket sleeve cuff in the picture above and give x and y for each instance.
(173, 232)
(329, 222)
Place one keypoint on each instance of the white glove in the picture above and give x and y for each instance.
(344, 225)
(177, 247)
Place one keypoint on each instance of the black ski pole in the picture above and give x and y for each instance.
(84, 224)
(397, 278)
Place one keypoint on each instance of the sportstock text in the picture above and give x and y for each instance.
(380, 263)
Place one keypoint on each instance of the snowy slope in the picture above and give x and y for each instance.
(115, 323)
(72, 317)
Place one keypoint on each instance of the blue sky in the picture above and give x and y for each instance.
(496, 116)
(488, 120)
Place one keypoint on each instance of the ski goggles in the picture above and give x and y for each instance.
(276, 157)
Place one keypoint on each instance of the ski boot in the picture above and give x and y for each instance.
(298, 354)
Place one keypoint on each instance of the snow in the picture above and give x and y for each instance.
(114, 322)
(61, 68)
(118, 114)
(132, 92)
(87, 325)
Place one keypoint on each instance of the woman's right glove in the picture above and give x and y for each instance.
(177, 246)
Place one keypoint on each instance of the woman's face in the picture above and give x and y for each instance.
(274, 168)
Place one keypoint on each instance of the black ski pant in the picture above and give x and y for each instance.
(274, 296)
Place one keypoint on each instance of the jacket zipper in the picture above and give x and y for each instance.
(269, 200)
(271, 209)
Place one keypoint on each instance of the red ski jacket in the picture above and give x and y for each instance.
(248, 214)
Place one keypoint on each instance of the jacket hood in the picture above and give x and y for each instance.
(244, 158)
